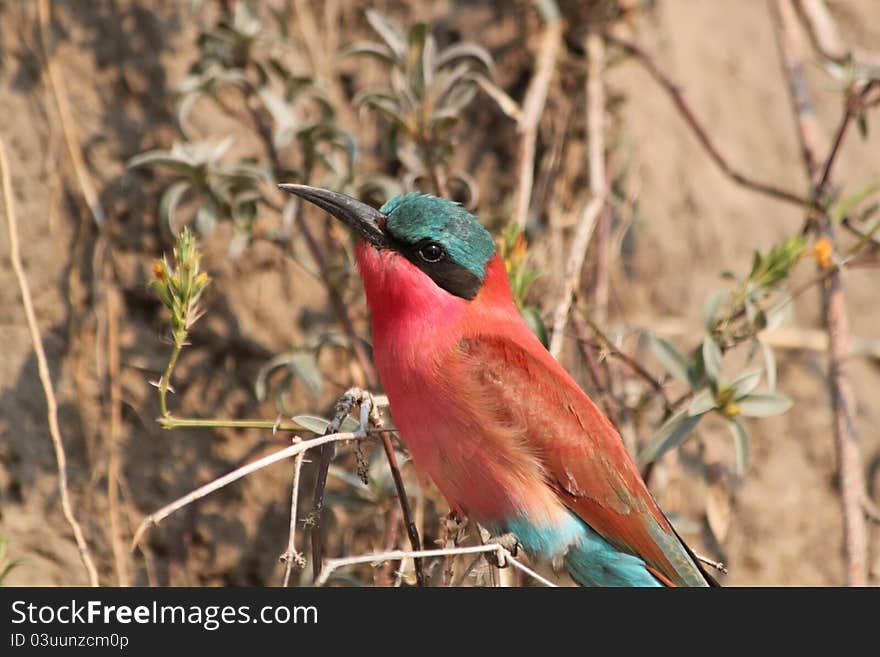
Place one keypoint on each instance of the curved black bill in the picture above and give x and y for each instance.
(367, 221)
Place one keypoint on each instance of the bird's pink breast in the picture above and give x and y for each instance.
(417, 327)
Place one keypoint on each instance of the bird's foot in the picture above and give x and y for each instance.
(508, 542)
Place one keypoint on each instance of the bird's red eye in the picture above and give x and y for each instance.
(431, 252)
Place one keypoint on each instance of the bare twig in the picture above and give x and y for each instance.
(573, 267)
(120, 557)
(852, 478)
(68, 125)
(43, 366)
(595, 93)
(291, 557)
(698, 127)
(155, 518)
(533, 107)
(343, 407)
(503, 555)
(825, 36)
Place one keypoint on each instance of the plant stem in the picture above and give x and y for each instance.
(165, 381)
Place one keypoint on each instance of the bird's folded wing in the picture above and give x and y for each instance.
(535, 400)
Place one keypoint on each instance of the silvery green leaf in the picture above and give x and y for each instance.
(740, 444)
(671, 434)
(711, 359)
(170, 200)
(206, 216)
(389, 31)
(306, 369)
(711, 308)
(764, 405)
(371, 49)
(238, 243)
(769, 365)
(670, 357)
(465, 50)
(745, 384)
(160, 158)
(703, 402)
(312, 423)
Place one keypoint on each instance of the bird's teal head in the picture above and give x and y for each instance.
(438, 236)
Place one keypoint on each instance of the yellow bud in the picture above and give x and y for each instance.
(822, 252)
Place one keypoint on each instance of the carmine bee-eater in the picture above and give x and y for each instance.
(488, 414)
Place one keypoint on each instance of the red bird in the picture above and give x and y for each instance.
(500, 427)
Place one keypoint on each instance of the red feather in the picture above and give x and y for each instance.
(497, 422)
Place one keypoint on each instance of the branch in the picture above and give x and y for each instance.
(291, 557)
(155, 518)
(56, 83)
(698, 128)
(826, 38)
(852, 479)
(503, 555)
(43, 367)
(533, 108)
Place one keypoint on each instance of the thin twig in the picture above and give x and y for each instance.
(852, 478)
(503, 555)
(595, 94)
(68, 127)
(533, 108)
(343, 407)
(120, 557)
(699, 129)
(826, 38)
(291, 557)
(158, 516)
(43, 366)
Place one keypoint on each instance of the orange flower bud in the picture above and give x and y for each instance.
(822, 252)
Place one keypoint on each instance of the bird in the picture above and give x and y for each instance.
(486, 412)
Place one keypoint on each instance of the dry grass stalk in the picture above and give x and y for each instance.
(43, 366)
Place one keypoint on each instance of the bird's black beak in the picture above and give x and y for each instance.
(367, 221)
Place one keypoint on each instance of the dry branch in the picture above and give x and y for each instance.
(504, 558)
(68, 125)
(43, 366)
(850, 467)
(698, 127)
(825, 36)
(291, 557)
(533, 108)
(155, 518)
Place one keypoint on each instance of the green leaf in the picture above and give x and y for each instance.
(745, 384)
(862, 122)
(465, 50)
(371, 49)
(536, 323)
(764, 405)
(312, 423)
(206, 216)
(670, 435)
(670, 357)
(170, 200)
(740, 444)
(389, 31)
(847, 204)
(711, 308)
(703, 402)
(711, 359)
(305, 366)
(769, 365)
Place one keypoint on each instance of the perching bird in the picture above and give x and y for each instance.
(497, 423)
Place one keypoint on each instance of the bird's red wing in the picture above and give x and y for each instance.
(581, 453)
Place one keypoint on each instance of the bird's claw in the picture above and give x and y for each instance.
(508, 544)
